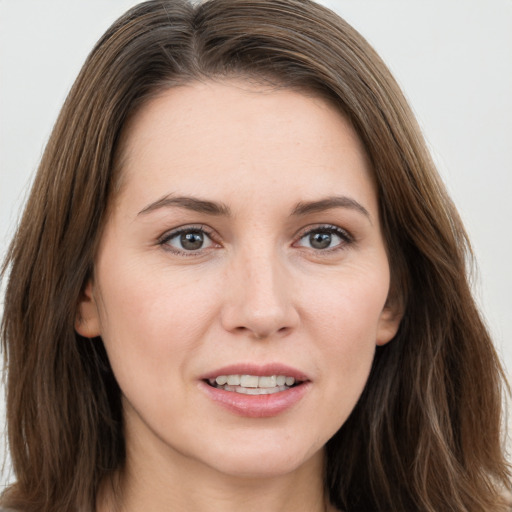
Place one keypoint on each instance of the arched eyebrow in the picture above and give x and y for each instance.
(305, 208)
(221, 209)
(189, 203)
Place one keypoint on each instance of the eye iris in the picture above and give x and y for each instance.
(192, 240)
(320, 240)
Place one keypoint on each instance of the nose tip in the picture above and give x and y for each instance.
(262, 326)
(259, 302)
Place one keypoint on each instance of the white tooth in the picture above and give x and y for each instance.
(255, 391)
(280, 380)
(234, 380)
(290, 381)
(221, 380)
(267, 382)
(249, 381)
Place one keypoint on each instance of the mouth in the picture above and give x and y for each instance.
(253, 384)
(256, 391)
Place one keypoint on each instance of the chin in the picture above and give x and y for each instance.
(270, 461)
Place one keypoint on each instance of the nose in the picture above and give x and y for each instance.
(259, 298)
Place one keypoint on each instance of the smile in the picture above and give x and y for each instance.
(256, 391)
(253, 384)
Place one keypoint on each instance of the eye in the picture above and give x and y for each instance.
(325, 238)
(187, 240)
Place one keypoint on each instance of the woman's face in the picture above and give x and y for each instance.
(245, 241)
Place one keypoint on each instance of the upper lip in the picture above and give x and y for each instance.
(260, 370)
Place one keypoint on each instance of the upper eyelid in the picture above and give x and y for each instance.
(163, 241)
(317, 227)
(171, 233)
(212, 234)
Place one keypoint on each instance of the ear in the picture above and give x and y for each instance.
(389, 321)
(87, 321)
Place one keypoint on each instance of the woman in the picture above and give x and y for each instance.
(240, 282)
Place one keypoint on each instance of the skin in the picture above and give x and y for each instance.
(257, 291)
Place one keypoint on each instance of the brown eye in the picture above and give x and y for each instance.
(187, 240)
(192, 241)
(325, 238)
(320, 240)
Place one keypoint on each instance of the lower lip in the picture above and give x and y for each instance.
(256, 406)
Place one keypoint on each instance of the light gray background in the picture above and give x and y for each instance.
(453, 58)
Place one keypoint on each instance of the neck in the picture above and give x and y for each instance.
(185, 487)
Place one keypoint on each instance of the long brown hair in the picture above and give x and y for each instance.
(425, 435)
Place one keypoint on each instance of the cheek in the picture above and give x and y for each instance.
(347, 309)
(345, 322)
(149, 316)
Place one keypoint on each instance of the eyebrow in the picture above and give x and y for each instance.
(305, 208)
(189, 203)
(220, 209)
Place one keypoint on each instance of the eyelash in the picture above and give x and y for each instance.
(167, 237)
(345, 237)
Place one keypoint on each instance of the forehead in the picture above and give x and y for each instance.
(222, 133)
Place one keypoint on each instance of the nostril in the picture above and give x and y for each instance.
(258, 321)
(262, 335)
